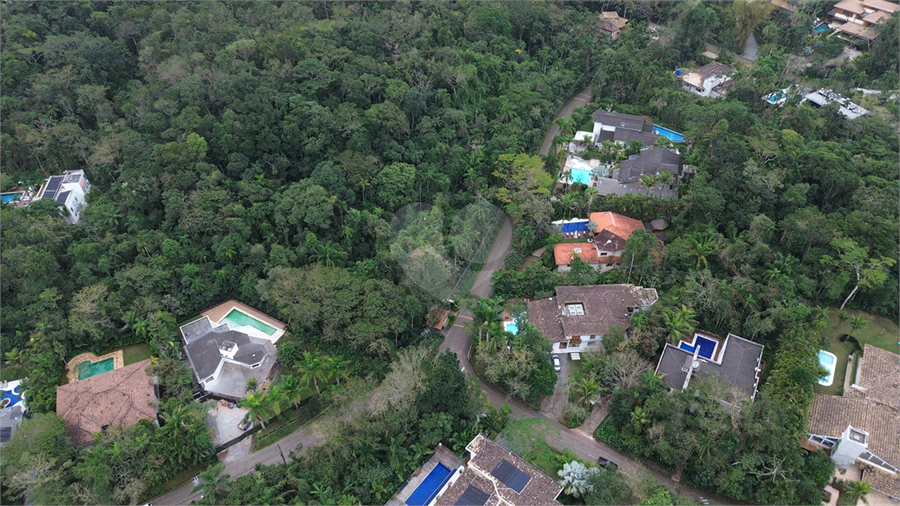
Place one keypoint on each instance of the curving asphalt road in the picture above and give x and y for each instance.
(583, 98)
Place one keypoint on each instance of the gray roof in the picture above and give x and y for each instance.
(195, 330)
(647, 137)
(604, 305)
(739, 359)
(649, 162)
(205, 357)
(619, 120)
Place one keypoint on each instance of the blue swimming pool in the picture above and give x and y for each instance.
(774, 98)
(669, 134)
(577, 226)
(828, 361)
(707, 347)
(580, 169)
(9, 198)
(9, 398)
(821, 28)
(511, 327)
(430, 486)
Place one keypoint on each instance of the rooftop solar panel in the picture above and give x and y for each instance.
(52, 187)
(61, 198)
(511, 476)
(472, 497)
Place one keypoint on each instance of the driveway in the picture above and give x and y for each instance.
(555, 404)
(583, 98)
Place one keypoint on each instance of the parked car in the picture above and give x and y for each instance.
(605, 462)
(557, 366)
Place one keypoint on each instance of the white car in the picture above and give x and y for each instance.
(556, 364)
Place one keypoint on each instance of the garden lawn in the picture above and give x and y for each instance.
(879, 332)
(135, 353)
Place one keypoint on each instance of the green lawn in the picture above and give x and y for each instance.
(879, 332)
(12, 372)
(135, 353)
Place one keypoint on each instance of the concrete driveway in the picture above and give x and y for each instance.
(554, 405)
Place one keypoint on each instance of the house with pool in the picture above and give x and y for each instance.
(576, 319)
(120, 397)
(711, 80)
(229, 344)
(736, 361)
(861, 428)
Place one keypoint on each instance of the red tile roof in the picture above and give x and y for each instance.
(613, 230)
(586, 251)
(118, 397)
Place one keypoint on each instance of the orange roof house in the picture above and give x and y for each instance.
(586, 252)
(119, 397)
(613, 230)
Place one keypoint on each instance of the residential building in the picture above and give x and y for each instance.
(611, 24)
(711, 80)
(736, 361)
(862, 426)
(229, 344)
(576, 319)
(823, 97)
(120, 397)
(495, 476)
(69, 189)
(857, 17)
(649, 162)
(621, 128)
(563, 253)
(611, 232)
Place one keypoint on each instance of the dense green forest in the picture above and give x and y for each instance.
(258, 151)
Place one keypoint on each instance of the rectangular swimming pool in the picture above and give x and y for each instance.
(669, 134)
(707, 347)
(428, 489)
(237, 318)
(87, 368)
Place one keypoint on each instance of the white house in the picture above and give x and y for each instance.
(69, 189)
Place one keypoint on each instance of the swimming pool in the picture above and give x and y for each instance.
(9, 198)
(9, 398)
(237, 318)
(511, 327)
(822, 28)
(87, 368)
(669, 134)
(828, 361)
(430, 486)
(707, 346)
(580, 169)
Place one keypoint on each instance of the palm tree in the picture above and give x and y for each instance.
(313, 369)
(291, 388)
(857, 322)
(252, 385)
(486, 312)
(701, 248)
(276, 399)
(338, 368)
(584, 390)
(854, 491)
(213, 483)
(680, 323)
(649, 181)
(257, 408)
(326, 252)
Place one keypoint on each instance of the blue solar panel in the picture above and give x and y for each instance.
(52, 187)
(511, 476)
(61, 198)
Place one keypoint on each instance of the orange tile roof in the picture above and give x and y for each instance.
(118, 397)
(622, 226)
(563, 252)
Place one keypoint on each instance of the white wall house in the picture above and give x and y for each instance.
(69, 189)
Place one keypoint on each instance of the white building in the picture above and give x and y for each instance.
(69, 189)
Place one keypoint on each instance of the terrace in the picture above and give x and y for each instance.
(430, 480)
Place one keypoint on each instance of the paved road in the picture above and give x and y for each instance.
(741, 58)
(579, 100)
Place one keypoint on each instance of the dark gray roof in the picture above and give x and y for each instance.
(205, 357)
(647, 137)
(62, 196)
(649, 161)
(195, 330)
(619, 120)
(739, 359)
(605, 135)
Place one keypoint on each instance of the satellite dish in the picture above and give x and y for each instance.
(696, 364)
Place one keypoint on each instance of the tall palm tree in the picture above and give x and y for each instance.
(277, 399)
(257, 408)
(649, 180)
(213, 483)
(292, 388)
(313, 369)
(486, 312)
(854, 491)
(664, 178)
(326, 252)
(701, 248)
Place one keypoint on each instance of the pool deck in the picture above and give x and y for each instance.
(72, 366)
(441, 455)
